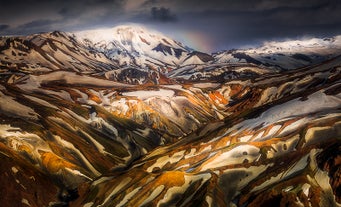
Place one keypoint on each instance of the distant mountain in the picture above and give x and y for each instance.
(133, 45)
(285, 55)
(129, 54)
(136, 55)
(51, 51)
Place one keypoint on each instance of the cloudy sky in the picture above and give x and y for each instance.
(206, 25)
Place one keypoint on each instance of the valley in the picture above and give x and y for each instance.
(138, 119)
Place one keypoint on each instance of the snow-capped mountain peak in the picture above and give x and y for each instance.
(289, 54)
(302, 45)
(135, 45)
(132, 35)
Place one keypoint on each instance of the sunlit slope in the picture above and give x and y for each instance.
(93, 131)
(279, 147)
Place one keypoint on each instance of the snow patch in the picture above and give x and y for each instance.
(154, 194)
(128, 197)
(162, 161)
(25, 201)
(88, 204)
(148, 94)
(14, 170)
(120, 186)
(234, 156)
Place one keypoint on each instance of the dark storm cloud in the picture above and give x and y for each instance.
(4, 26)
(37, 23)
(31, 16)
(66, 12)
(229, 23)
(41, 25)
(244, 24)
(162, 14)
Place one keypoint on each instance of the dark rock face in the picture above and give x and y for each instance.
(330, 161)
(163, 48)
(248, 58)
(202, 56)
(22, 184)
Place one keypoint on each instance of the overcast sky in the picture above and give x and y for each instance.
(206, 25)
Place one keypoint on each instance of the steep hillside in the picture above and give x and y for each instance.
(285, 55)
(275, 148)
(189, 139)
(134, 45)
(47, 52)
(133, 118)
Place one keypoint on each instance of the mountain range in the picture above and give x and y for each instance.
(130, 117)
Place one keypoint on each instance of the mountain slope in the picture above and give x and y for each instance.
(135, 55)
(46, 52)
(289, 54)
(135, 45)
(92, 132)
(272, 150)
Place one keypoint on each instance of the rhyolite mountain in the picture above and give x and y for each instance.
(285, 55)
(135, 55)
(135, 45)
(129, 117)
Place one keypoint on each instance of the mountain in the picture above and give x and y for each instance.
(217, 72)
(139, 46)
(81, 128)
(285, 55)
(128, 54)
(136, 55)
(62, 51)
(238, 142)
(275, 147)
(47, 52)
(141, 52)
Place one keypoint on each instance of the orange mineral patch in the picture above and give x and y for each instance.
(171, 178)
(95, 98)
(53, 163)
(218, 98)
(25, 148)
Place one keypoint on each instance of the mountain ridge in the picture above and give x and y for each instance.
(287, 54)
(79, 129)
(138, 47)
(135, 42)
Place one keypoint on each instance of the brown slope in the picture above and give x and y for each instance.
(252, 159)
